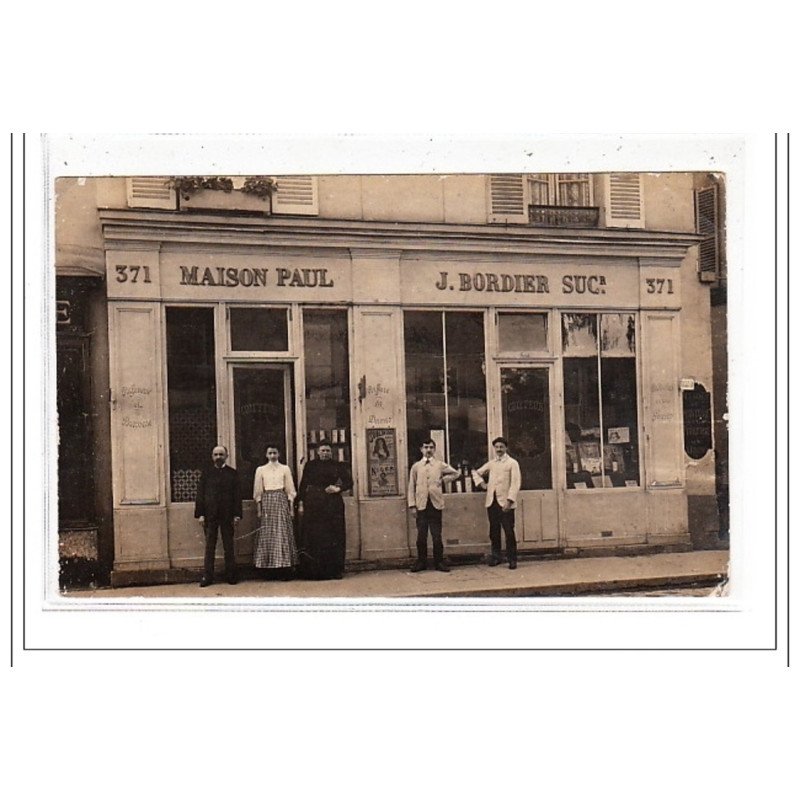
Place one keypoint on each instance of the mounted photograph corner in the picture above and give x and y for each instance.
(391, 386)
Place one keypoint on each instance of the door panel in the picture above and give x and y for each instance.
(525, 394)
(262, 415)
(526, 413)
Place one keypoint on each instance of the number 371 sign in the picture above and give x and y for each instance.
(129, 277)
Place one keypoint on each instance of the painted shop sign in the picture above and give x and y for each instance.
(255, 276)
(520, 283)
(540, 282)
(294, 277)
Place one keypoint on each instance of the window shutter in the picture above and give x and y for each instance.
(624, 206)
(508, 198)
(150, 193)
(707, 224)
(296, 195)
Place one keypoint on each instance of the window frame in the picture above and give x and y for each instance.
(639, 400)
(230, 353)
(219, 402)
(501, 355)
(553, 181)
(487, 356)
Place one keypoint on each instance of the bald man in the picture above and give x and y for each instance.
(218, 506)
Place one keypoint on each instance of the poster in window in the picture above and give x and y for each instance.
(382, 462)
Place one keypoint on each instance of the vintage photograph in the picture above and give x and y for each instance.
(391, 386)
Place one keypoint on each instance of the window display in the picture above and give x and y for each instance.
(600, 400)
(192, 401)
(446, 386)
(327, 369)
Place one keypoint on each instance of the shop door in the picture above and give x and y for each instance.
(262, 415)
(526, 414)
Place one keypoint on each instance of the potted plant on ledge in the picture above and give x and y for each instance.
(219, 193)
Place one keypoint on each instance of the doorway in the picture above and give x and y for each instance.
(263, 413)
(526, 409)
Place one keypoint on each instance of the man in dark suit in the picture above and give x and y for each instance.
(218, 506)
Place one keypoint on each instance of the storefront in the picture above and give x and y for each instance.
(246, 331)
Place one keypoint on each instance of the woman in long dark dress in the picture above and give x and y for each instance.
(319, 502)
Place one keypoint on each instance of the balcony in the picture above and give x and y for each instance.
(564, 216)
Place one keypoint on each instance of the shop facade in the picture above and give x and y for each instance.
(249, 330)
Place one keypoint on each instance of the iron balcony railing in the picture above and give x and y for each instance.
(564, 216)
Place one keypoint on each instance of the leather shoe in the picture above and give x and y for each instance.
(206, 582)
(418, 567)
(233, 581)
(512, 564)
(493, 561)
(442, 568)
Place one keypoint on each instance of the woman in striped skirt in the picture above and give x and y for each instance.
(274, 493)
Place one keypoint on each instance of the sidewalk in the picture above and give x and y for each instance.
(551, 577)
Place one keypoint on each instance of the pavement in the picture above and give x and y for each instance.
(533, 577)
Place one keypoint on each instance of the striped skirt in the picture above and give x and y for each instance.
(275, 546)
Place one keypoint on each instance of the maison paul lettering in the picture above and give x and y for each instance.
(255, 276)
(506, 282)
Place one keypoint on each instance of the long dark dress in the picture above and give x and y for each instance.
(322, 540)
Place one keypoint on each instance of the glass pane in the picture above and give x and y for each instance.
(523, 333)
(424, 379)
(259, 329)
(579, 334)
(573, 189)
(191, 388)
(259, 412)
(618, 335)
(327, 381)
(540, 190)
(525, 395)
(75, 473)
(620, 421)
(582, 423)
(466, 384)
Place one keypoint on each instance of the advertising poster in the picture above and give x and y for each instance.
(382, 461)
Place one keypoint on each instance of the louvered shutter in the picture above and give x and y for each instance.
(150, 193)
(296, 195)
(707, 222)
(624, 206)
(508, 198)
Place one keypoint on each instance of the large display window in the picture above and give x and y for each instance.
(446, 386)
(601, 419)
(191, 388)
(327, 374)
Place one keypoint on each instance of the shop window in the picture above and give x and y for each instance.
(446, 387)
(522, 333)
(259, 330)
(327, 368)
(600, 401)
(191, 388)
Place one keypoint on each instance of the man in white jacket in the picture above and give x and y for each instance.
(426, 501)
(503, 487)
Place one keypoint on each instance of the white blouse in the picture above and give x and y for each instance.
(273, 476)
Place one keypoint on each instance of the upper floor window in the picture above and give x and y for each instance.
(571, 189)
(567, 199)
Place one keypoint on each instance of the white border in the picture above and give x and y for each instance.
(747, 164)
